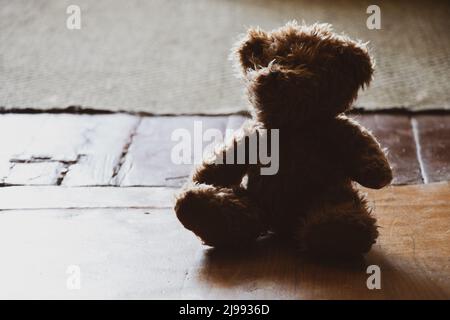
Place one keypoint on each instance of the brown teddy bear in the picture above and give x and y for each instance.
(300, 79)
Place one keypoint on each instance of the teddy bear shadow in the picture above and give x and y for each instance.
(268, 257)
(270, 266)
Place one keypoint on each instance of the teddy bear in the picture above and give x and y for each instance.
(300, 79)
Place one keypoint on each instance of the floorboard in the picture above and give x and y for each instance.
(146, 253)
(120, 254)
(100, 157)
(74, 150)
(35, 173)
(433, 135)
(54, 197)
(125, 150)
(394, 132)
(149, 162)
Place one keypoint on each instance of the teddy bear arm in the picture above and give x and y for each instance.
(222, 170)
(369, 165)
(220, 175)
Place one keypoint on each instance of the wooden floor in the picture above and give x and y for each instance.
(97, 191)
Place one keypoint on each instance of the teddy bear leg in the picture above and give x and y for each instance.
(339, 229)
(219, 216)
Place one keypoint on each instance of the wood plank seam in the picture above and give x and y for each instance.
(125, 150)
(43, 159)
(60, 197)
(4, 177)
(14, 161)
(415, 131)
(65, 171)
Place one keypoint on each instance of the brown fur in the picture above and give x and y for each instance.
(300, 80)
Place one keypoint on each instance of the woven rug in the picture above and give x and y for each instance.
(171, 56)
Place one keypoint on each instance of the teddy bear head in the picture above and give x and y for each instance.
(298, 73)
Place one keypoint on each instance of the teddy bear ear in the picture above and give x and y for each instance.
(252, 50)
(360, 62)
